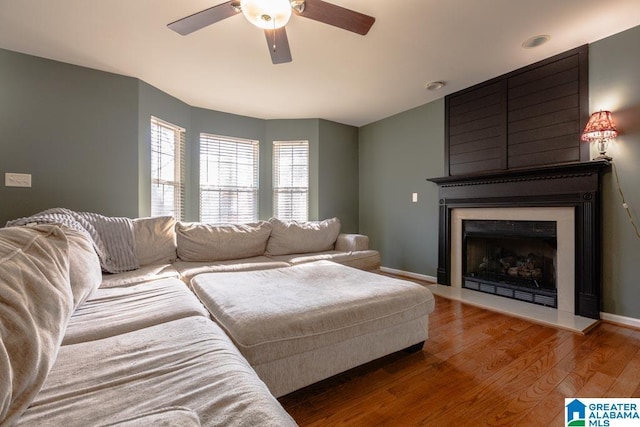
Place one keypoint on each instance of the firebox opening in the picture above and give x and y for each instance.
(514, 259)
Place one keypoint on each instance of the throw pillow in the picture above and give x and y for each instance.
(155, 240)
(208, 242)
(293, 237)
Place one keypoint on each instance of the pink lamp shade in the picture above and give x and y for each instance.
(600, 126)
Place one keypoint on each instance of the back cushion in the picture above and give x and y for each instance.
(208, 242)
(85, 273)
(292, 237)
(35, 305)
(155, 240)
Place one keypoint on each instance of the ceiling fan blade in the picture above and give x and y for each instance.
(337, 16)
(204, 18)
(278, 45)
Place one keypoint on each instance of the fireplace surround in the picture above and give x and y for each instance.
(571, 185)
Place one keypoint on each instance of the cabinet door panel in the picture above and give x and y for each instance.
(527, 118)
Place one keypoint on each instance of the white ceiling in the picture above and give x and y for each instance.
(335, 75)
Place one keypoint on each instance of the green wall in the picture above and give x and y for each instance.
(333, 168)
(338, 181)
(75, 130)
(154, 102)
(223, 124)
(614, 84)
(291, 130)
(84, 136)
(399, 152)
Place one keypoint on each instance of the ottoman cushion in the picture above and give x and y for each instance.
(276, 313)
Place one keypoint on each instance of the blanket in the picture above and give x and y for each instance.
(112, 237)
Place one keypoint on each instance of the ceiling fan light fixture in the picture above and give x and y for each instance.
(267, 14)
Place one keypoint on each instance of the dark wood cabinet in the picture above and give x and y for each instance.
(527, 118)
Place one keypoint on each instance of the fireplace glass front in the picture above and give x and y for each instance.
(513, 259)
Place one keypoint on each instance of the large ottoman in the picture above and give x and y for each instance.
(301, 324)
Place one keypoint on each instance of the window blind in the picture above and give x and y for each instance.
(167, 169)
(228, 179)
(291, 180)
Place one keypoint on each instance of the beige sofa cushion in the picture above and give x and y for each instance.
(115, 311)
(85, 273)
(188, 362)
(141, 275)
(363, 260)
(174, 416)
(35, 306)
(188, 269)
(208, 242)
(155, 240)
(293, 237)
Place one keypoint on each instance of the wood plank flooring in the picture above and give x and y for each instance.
(477, 368)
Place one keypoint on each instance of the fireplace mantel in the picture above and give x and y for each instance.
(570, 184)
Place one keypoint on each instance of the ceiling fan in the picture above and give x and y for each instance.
(272, 16)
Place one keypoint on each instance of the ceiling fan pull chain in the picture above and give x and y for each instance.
(274, 36)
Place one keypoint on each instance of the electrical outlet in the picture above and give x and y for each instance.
(17, 180)
(414, 197)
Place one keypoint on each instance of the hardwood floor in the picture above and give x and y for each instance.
(477, 368)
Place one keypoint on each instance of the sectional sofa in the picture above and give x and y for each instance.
(81, 347)
(166, 248)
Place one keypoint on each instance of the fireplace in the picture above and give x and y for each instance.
(560, 218)
(512, 259)
(564, 197)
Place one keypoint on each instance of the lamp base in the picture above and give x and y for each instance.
(603, 156)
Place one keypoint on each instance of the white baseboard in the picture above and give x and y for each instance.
(608, 317)
(409, 274)
(621, 320)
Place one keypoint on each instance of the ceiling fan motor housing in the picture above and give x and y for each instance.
(297, 5)
(268, 15)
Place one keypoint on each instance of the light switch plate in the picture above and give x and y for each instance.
(17, 179)
(414, 197)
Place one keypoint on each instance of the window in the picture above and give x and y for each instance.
(228, 179)
(291, 180)
(167, 169)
